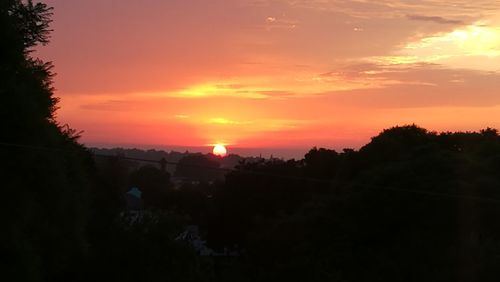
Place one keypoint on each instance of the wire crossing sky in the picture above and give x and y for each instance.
(273, 73)
(163, 162)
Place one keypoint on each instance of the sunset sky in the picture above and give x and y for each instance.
(264, 73)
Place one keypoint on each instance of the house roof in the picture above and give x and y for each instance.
(136, 192)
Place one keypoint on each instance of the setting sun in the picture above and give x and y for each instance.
(273, 74)
(219, 150)
(214, 134)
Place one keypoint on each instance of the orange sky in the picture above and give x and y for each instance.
(271, 73)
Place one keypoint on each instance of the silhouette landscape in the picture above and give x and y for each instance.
(297, 140)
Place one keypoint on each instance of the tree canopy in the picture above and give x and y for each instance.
(46, 171)
(411, 205)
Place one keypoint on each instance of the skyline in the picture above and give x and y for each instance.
(280, 74)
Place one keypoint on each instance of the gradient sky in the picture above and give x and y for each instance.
(271, 73)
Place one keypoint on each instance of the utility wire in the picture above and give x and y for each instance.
(218, 168)
(40, 148)
(318, 180)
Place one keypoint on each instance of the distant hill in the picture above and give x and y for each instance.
(229, 161)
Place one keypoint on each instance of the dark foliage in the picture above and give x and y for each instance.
(199, 167)
(411, 205)
(45, 191)
(153, 183)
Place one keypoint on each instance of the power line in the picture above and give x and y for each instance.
(430, 193)
(41, 148)
(162, 161)
(221, 168)
(165, 162)
(310, 179)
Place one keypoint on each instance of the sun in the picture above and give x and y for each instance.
(219, 150)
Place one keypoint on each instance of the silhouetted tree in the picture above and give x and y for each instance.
(154, 184)
(411, 205)
(45, 173)
(145, 250)
(199, 167)
(322, 163)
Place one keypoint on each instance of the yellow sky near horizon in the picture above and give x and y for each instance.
(259, 73)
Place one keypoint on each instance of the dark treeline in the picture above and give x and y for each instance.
(172, 157)
(411, 205)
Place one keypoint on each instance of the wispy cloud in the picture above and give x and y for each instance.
(233, 69)
(108, 105)
(218, 90)
(225, 121)
(421, 86)
(434, 19)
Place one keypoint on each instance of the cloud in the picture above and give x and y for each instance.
(218, 90)
(238, 70)
(225, 121)
(419, 86)
(180, 116)
(280, 23)
(108, 105)
(474, 46)
(434, 19)
(277, 94)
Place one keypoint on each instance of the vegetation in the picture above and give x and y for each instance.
(411, 205)
(43, 211)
